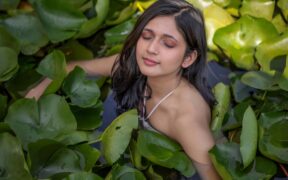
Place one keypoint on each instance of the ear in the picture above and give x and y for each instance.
(189, 59)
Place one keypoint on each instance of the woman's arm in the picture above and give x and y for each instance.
(99, 66)
(196, 139)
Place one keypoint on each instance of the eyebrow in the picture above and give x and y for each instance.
(166, 35)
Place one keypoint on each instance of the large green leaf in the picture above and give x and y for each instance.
(258, 8)
(60, 19)
(93, 25)
(239, 40)
(124, 172)
(83, 175)
(82, 91)
(163, 151)
(249, 135)
(12, 160)
(9, 63)
(47, 118)
(273, 136)
(116, 136)
(227, 160)
(279, 23)
(49, 157)
(28, 31)
(215, 18)
(223, 97)
(7, 40)
(54, 67)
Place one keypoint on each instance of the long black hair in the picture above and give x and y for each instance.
(127, 81)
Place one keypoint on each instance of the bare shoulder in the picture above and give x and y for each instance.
(192, 126)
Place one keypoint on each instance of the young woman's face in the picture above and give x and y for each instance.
(161, 47)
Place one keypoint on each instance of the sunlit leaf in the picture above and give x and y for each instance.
(263, 9)
(239, 40)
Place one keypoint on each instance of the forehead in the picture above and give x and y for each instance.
(164, 25)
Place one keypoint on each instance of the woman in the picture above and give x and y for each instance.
(160, 71)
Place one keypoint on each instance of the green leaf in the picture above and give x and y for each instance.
(258, 80)
(248, 138)
(9, 63)
(48, 158)
(90, 153)
(235, 116)
(222, 96)
(260, 9)
(93, 25)
(137, 160)
(163, 151)
(28, 31)
(82, 92)
(47, 118)
(83, 175)
(116, 136)
(215, 17)
(240, 90)
(239, 40)
(73, 138)
(118, 33)
(270, 49)
(227, 161)
(126, 13)
(88, 118)
(273, 136)
(7, 40)
(12, 163)
(125, 172)
(8, 4)
(60, 19)
(54, 67)
(279, 23)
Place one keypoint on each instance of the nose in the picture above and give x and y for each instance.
(153, 47)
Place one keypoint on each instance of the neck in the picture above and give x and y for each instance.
(161, 86)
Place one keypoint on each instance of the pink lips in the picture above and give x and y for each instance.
(150, 62)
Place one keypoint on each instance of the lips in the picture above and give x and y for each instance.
(150, 62)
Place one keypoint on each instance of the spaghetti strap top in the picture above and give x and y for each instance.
(144, 120)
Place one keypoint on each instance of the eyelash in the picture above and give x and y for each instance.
(148, 38)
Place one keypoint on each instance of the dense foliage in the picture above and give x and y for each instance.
(57, 136)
